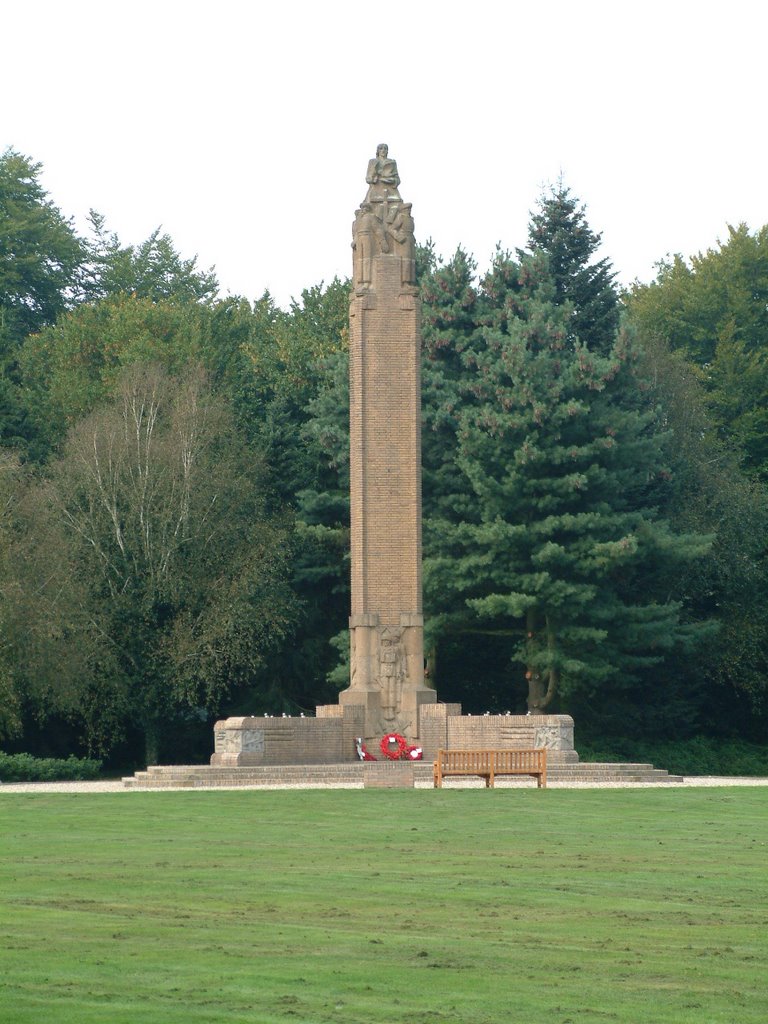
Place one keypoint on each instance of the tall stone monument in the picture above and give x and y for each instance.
(387, 693)
(386, 624)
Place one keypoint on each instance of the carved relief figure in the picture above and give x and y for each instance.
(547, 736)
(352, 656)
(392, 670)
(369, 238)
(400, 228)
(382, 177)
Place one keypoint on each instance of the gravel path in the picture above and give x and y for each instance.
(116, 786)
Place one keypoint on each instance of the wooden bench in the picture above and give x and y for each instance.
(490, 763)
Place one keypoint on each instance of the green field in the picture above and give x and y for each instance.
(472, 906)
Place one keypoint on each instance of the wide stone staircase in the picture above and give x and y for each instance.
(355, 775)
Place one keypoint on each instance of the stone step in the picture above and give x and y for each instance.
(351, 774)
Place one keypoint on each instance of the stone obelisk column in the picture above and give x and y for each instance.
(386, 624)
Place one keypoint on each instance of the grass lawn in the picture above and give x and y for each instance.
(471, 906)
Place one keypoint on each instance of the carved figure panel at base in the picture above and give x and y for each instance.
(391, 672)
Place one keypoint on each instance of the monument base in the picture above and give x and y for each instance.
(378, 720)
(330, 737)
(387, 674)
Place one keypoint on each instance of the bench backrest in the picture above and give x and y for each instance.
(536, 760)
(498, 760)
(465, 760)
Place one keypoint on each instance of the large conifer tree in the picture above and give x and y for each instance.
(554, 532)
(559, 230)
(449, 322)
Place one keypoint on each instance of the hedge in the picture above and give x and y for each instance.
(26, 768)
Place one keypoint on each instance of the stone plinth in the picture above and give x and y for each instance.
(388, 775)
(330, 738)
(444, 726)
(327, 739)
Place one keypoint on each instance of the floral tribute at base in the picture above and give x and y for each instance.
(393, 746)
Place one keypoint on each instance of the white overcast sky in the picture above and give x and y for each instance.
(244, 128)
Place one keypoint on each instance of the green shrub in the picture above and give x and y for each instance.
(700, 755)
(26, 768)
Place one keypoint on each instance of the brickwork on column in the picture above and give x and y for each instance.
(385, 447)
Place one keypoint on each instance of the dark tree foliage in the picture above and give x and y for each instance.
(40, 262)
(727, 680)
(40, 254)
(152, 269)
(559, 229)
(551, 532)
(714, 308)
(298, 414)
(450, 313)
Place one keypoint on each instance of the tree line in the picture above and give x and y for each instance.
(174, 487)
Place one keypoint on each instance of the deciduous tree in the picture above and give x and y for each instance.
(174, 567)
(714, 308)
(71, 367)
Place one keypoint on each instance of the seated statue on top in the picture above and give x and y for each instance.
(382, 178)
